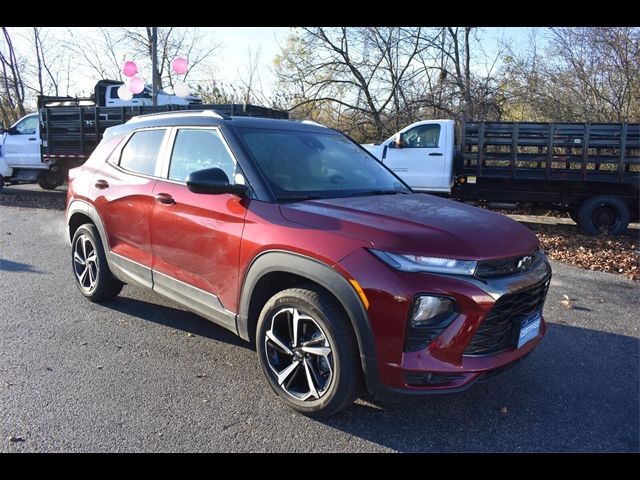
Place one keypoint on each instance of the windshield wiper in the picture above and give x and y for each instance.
(297, 198)
(377, 192)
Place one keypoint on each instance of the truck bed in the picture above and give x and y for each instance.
(591, 152)
(75, 131)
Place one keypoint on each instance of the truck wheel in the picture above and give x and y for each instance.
(308, 352)
(48, 183)
(50, 180)
(603, 214)
(90, 268)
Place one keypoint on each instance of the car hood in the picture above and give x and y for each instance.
(417, 224)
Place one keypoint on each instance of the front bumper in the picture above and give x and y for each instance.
(442, 366)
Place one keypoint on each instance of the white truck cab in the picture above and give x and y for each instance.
(20, 148)
(145, 98)
(421, 154)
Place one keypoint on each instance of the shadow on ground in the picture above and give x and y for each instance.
(174, 318)
(11, 266)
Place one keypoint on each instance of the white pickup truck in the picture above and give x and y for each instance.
(590, 170)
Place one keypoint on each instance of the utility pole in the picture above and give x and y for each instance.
(154, 64)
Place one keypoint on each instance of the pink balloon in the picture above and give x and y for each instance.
(129, 68)
(136, 85)
(179, 65)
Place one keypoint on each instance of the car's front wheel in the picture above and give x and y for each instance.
(308, 351)
(90, 268)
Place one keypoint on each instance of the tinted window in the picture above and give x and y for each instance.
(199, 149)
(141, 152)
(28, 125)
(422, 136)
(301, 163)
(114, 92)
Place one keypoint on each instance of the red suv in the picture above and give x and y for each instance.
(293, 236)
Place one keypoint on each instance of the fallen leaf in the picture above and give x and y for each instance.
(503, 409)
(567, 302)
(15, 439)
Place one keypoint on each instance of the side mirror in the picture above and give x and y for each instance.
(213, 180)
(398, 141)
(2, 130)
(11, 130)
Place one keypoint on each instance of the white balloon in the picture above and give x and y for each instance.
(124, 93)
(181, 89)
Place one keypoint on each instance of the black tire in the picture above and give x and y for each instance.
(50, 180)
(337, 379)
(603, 214)
(101, 284)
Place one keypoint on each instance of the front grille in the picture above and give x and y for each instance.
(505, 266)
(496, 332)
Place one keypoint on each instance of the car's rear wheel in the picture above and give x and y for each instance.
(90, 268)
(308, 351)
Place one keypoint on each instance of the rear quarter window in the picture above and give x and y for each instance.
(140, 154)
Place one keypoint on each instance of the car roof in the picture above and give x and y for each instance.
(212, 118)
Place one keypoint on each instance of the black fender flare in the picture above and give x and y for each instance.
(323, 275)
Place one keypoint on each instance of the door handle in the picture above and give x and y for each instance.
(102, 184)
(32, 139)
(435, 154)
(165, 199)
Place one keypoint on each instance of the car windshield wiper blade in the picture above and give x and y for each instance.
(297, 198)
(377, 192)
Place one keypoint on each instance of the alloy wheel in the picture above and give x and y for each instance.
(85, 263)
(299, 354)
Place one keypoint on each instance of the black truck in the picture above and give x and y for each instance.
(590, 170)
(70, 133)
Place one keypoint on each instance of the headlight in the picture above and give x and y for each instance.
(415, 263)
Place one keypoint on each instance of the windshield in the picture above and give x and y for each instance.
(299, 165)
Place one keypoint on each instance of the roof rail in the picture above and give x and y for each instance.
(215, 114)
(310, 122)
(209, 113)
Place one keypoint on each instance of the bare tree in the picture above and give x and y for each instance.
(371, 81)
(250, 78)
(583, 74)
(358, 73)
(102, 55)
(13, 93)
(46, 73)
(459, 79)
(172, 42)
